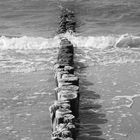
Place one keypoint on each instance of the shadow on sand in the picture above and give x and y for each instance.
(90, 117)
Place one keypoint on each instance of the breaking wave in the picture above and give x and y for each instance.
(25, 43)
(96, 42)
(104, 42)
(25, 54)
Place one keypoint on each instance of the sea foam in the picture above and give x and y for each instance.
(103, 42)
(98, 42)
(20, 54)
(25, 43)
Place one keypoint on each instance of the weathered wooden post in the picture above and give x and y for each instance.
(65, 109)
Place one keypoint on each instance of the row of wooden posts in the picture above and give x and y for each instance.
(65, 110)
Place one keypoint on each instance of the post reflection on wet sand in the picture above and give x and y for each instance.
(90, 114)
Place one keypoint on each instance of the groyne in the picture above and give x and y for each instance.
(65, 110)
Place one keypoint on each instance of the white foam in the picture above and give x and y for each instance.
(127, 98)
(37, 53)
(98, 42)
(128, 41)
(103, 42)
(25, 43)
(121, 134)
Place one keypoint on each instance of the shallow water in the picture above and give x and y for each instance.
(24, 102)
(110, 98)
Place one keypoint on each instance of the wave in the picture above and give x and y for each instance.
(97, 42)
(103, 42)
(26, 54)
(25, 43)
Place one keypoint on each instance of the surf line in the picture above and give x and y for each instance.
(65, 110)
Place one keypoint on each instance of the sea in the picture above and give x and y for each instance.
(107, 61)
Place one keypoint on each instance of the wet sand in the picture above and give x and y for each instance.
(110, 100)
(24, 102)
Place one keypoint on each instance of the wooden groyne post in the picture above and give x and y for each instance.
(65, 110)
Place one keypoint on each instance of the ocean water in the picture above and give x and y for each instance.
(107, 58)
(95, 17)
